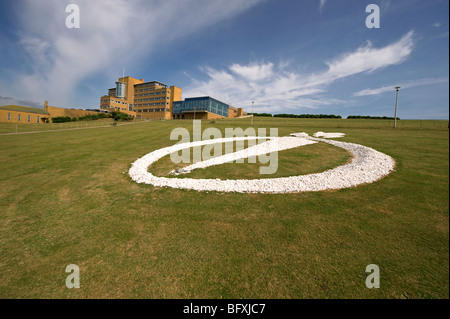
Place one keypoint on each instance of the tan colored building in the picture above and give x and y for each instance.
(121, 98)
(154, 100)
(63, 112)
(26, 114)
(23, 114)
(146, 100)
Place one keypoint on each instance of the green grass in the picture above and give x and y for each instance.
(7, 128)
(66, 199)
(319, 123)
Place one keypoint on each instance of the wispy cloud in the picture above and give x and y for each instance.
(112, 33)
(253, 72)
(369, 59)
(322, 5)
(403, 85)
(278, 89)
(442, 35)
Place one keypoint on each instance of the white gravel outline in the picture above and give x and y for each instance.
(270, 146)
(328, 135)
(367, 166)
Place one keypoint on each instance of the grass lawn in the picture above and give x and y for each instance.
(66, 199)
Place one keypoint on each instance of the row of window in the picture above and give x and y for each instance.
(152, 99)
(105, 107)
(152, 104)
(154, 93)
(113, 101)
(19, 118)
(152, 110)
(148, 89)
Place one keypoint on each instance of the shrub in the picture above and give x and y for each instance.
(309, 116)
(260, 114)
(353, 117)
(122, 117)
(61, 119)
(89, 117)
(94, 117)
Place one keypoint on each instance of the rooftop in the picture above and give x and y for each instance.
(152, 82)
(203, 98)
(27, 109)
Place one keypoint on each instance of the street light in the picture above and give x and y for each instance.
(396, 104)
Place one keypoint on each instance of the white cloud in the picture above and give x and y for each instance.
(112, 34)
(322, 5)
(403, 85)
(274, 89)
(369, 59)
(436, 25)
(253, 72)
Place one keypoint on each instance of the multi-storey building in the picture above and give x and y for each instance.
(121, 98)
(155, 100)
(146, 100)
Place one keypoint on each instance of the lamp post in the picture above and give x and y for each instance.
(396, 104)
(253, 102)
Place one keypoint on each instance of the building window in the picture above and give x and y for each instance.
(19, 117)
(29, 118)
(9, 116)
(38, 118)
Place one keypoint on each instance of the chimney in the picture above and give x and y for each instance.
(46, 105)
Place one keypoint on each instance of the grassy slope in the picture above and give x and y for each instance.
(64, 199)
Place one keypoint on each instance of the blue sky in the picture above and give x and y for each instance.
(289, 56)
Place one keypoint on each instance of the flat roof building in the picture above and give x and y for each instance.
(205, 108)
